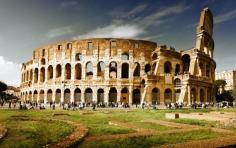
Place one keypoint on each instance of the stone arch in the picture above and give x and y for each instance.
(78, 57)
(49, 96)
(208, 71)
(125, 70)
(50, 72)
(77, 95)
(89, 69)
(177, 69)
(193, 95)
(43, 61)
(186, 63)
(31, 75)
(113, 69)
(167, 67)
(88, 95)
(136, 70)
(68, 71)
(58, 71)
(147, 68)
(78, 71)
(43, 52)
(177, 82)
(125, 95)
(101, 69)
(202, 69)
(155, 96)
(42, 74)
(136, 96)
(168, 96)
(41, 96)
(35, 96)
(58, 96)
(154, 56)
(100, 95)
(67, 95)
(112, 95)
(36, 73)
(202, 95)
(124, 56)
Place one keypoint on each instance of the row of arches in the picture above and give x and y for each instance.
(99, 97)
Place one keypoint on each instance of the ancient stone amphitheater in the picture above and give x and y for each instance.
(129, 71)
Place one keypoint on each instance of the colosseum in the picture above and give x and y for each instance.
(105, 70)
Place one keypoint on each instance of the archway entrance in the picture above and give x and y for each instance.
(113, 95)
(100, 96)
(77, 95)
(155, 96)
(136, 96)
(88, 96)
(124, 95)
(67, 96)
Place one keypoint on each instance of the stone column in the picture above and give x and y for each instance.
(106, 95)
(130, 95)
(83, 70)
(63, 72)
(45, 97)
(118, 94)
(72, 97)
(62, 95)
(82, 95)
(95, 99)
(53, 95)
(119, 70)
(95, 75)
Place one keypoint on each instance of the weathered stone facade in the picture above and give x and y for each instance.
(230, 78)
(122, 70)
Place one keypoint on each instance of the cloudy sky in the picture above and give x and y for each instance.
(28, 24)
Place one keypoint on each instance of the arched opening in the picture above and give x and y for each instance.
(35, 96)
(88, 96)
(125, 70)
(177, 82)
(155, 96)
(101, 69)
(208, 70)
(41, 96)
(136, 96)
(42, 74)
(167, 67)
(50, 72)
(67, 96)
(202, 69)
(154, 56)
(113, 70)
(49, 96)
(43, 62)
(68, 71)
(124, 95)
(193, 95)
(43, 52)
(69, 46)
(147, 68)
(186, 63)
(177, 69)
(31, 75)
(125, 56)
(58, 71)
(30, 96)
(202, 95)
(78, 57)
(136, 70)
(177, 93)
(89, 69)
(26, 96)
(77, 95)
(58, 96)
(168, 96)
(36, 73)
(113, 95)
(209, 95)
(78, 71)
(100, 96)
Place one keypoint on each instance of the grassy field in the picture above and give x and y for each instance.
(35, 129)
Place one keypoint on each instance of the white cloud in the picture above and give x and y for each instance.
(114, 31)
(10, 72)
(68, 4)
(59, 31)
(225, 17)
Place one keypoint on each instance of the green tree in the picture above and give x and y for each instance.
(3, 86)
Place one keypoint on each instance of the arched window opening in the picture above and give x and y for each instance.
(113, 95)
(67, 96)
(101, 69)
(124, 96)
(43, 52)
(31, 75)
(168, 96)
(100, 96)
(167, 67)
(58, 71)
(89, 69)
(68, 71)
(49, 96)
(125, 56)
(177, 82)
(50, 72)
(202, 69)
(147, 68)
(78, 71)
(58, 96)
(136, 96)
(43, 61)
(88, 96)
(208, 70)
(177, 69)
(35, 96)
(155, 96)
(154, 67)
(78, 57)
(186, 63)
(42, 74)
(136, 70)
(113, 70)
(154, 56)
(77, 95)
(125, 70)
(36, 73)
(41, 96)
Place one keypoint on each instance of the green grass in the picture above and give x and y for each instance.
(143, 142)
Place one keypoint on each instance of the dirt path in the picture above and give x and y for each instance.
(3, 131)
